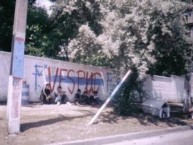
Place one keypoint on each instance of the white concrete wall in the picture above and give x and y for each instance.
(165, 88)
(71, 76)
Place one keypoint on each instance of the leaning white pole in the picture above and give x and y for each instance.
(110, 97)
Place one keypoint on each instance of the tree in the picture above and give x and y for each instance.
(86, 49)
(49, 35)
(7, 8)
(65, 20)
(142, 35)
(38, 32)
(172, 48)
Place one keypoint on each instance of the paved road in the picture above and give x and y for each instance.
(174, 138)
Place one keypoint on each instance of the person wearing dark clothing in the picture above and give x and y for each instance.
(60, 96)
(45, 95)
(85, 98)
(90, 98)
(77, 97)
(94, 99)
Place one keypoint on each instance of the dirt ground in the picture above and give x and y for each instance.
(45, 124)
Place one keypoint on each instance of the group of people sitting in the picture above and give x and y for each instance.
(47, 96)
(87, 98)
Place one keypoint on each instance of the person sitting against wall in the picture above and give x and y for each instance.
(60, 96)
(77, 97)
(85, 98)
(45, 96)
(94, 99)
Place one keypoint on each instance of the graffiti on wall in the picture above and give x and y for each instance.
(76, 79)
(38, 73)
(71, 76)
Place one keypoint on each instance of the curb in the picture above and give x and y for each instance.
(122, 137)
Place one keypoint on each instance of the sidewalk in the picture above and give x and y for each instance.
(124, 137)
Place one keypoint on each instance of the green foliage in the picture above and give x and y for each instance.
(67, 18)
(146, 35)
(171, 48)
(85, 48)
(48, 36)
(167, 46)
(7, 9)
(72, 14)
(6, 17)
(37, 32)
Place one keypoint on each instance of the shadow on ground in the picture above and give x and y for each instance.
(177, 118)
(108, 117)
(59, 118)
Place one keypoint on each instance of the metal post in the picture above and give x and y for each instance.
(110, 97)
(17, 67)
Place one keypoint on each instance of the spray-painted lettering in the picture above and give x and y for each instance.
(87, 80)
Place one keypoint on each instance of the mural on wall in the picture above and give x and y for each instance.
(72, 79)
(71, 76)
(38, 72)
